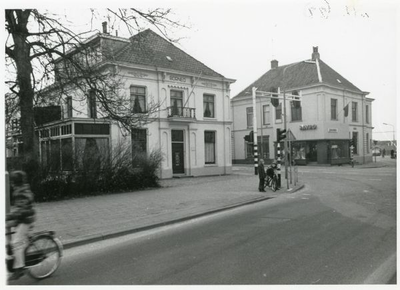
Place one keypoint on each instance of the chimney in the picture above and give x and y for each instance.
(274, 64)
(105, 27)
(315, 54)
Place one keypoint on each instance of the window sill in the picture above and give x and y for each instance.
(211, 165)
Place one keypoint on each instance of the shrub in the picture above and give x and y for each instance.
(117, 173)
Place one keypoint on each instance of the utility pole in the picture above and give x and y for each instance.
(254, 89)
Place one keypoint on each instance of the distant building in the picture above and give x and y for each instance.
(331, 112)
(192, 129)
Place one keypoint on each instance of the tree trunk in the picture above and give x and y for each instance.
(26, 92)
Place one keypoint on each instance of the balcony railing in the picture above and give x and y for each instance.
(181, 112)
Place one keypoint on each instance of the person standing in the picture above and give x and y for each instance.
(261, 175)
(383, 153)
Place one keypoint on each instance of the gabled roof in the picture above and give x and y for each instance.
(148, 48)
(300, 75)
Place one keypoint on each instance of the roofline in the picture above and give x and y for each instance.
(151, 68)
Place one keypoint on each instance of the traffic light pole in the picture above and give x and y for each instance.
(255, 131)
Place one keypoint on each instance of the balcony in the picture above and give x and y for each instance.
(182, 114)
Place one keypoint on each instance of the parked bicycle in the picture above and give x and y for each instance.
(272, 182)
(42, 255)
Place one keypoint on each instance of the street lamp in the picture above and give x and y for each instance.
(392, 131)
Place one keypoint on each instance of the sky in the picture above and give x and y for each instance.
(238, 39)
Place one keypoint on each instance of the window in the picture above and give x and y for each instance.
(249, 112)
(278, 112)
(296, 110)
(208, 104)
(92, 110)
(354, 116)
(333, 109)
(263, 147)
(139, 140)
(209, 147)
(266, 115)
(367, 115)
(176, 102)
(92, 129)
(355, 142)
(138, 99)
(91, 153)
(68, 107)
(367, 140)
(66, 154)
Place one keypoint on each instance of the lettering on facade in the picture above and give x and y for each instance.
(137, 74)
(332, 130)
(209, 84)
(177, 78)
(308, 127)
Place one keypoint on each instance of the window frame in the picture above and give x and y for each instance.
(278, 113)
(206, 102)
(249, 117)
(92, 104)
(354, 111)
(266, 120)
(214, 138)
(334, 109)
(295, 111)
(140, 96)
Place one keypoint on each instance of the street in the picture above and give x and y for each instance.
(340, 229)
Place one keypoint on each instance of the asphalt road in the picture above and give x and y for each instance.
(341, 229)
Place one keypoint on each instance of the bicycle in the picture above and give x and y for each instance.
(272, 182)
(42, 255)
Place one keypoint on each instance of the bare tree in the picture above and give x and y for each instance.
(38, 40)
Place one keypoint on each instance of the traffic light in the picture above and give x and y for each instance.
(249, 138)
(280, 134)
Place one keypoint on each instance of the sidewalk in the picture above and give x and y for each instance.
(91, 219)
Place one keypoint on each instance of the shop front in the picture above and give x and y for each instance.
(333, 152)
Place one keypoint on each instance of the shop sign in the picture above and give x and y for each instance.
(332, 130)
(308, 127)
(177, 78)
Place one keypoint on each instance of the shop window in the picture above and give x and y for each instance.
(92, 107)
(208, 105)
(249, 113)
(138, 99)
(354, 116)
(299, 150)
(333, 109)
(339, 149)
(209, 147)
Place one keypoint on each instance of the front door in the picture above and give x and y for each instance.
(178, 160)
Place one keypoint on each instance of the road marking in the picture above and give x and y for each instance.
(376, 179)
(304, 198)
(366, 191)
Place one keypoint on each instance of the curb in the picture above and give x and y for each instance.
(101, 237)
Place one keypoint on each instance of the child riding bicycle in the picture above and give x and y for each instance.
(20, 218)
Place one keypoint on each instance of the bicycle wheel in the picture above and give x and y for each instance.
(274, 184)
(43, 256)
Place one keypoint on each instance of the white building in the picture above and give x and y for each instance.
(319, 123)
(192, 128)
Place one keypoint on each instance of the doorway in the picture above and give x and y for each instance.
(178, 161)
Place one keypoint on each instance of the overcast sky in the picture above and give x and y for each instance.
(239, 39)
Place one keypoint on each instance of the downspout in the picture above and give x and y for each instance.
(223, 123)
(159, 120)
(363, 128)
